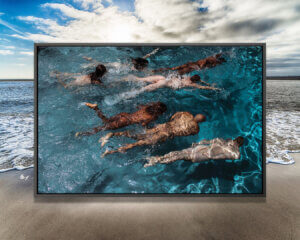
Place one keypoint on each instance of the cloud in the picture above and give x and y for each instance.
(10, 26)
(4, 39)
(87, 4)
(26, 53)
(9, 47)
(274, 22)
(6, 52)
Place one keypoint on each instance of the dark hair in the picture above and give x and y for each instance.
(139, 63)
(195, 78)
(239, 140)
(156, 108)
(98, 74)
(220, 59)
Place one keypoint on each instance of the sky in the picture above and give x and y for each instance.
(23, 22)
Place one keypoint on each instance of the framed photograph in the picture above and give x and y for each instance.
(150, 119)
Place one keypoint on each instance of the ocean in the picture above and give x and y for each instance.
(16, 123)
(283, 120)
(16, 142)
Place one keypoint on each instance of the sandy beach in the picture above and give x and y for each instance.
(275, 217)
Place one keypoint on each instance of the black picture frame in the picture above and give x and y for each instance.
(39, 195)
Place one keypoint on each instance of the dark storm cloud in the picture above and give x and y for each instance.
(252, 26)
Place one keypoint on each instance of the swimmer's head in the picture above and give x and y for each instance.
(139, 63)
(100, 70)
(219, 58)
(200, 118)
(239, 140)
(98, 74)
(195, 78)
(156, 108)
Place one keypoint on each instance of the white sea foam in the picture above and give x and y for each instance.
(114, 99)
(283, 136)
(16, 168)
(16, 142)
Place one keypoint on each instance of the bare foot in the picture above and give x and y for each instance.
(104, 139)
(105, 153)
(77, 134)
(151, 161)
(92, 106)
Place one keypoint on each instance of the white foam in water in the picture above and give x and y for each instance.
(114, 99)
(283, 136)
(16, 142)
(22, 177)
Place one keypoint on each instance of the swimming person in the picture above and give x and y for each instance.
(139, 63)
(79, 79)
(145, 114)
(172, 81)
(208, 62)
(215, 149)
(180, 124)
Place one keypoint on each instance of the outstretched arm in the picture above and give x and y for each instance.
(207, 84)
(195, 85)
(57, 74)
(126, 147)
(65, 85)
(151, 53)
(87, 58)
(168, 158)
(152, 87)
(151, 79)
(62, 76)
(93, 62)
(91, 132)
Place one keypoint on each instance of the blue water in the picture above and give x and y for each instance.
(74, 165)
(16, 125)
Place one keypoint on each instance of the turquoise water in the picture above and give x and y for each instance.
(74, 165)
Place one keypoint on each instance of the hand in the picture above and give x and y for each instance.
(105, 153)
(77, 134)
(87, 58)
(104, 139)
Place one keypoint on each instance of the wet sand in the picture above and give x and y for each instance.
(275, 217)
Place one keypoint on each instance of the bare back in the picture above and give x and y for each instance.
(217, 149)
(181, 124)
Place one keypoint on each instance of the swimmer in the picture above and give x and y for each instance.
(139, 63)
(180, 124)
(79, 79)
(174, 82)
(208, 62)
(215, 149)
(144, 115)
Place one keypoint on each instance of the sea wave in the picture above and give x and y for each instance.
(16, 141)
(283, 136)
